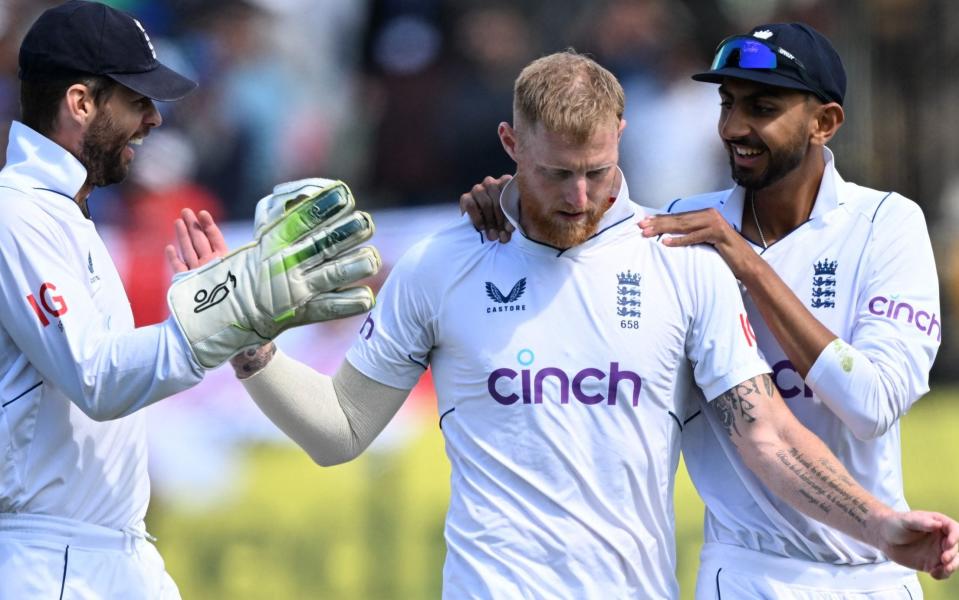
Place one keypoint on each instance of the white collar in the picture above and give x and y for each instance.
(38, 162)
(620, 211)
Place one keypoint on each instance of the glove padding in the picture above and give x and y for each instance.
(292, 274)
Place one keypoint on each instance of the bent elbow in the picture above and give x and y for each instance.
(331, 457)
(866, 430)
(326, 460)
(90, 404)
(100, 413)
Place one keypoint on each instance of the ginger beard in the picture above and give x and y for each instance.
(548, 227)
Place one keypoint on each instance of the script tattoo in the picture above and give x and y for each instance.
(734, 405)
(823, 485)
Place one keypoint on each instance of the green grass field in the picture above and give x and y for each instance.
(373, 529)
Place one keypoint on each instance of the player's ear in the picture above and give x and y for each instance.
(828, 118)
(509, 139)
(78, 104)
(622, 126)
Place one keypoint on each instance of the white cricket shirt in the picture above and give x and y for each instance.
(564, 379)
(71, 362)
(863, 265)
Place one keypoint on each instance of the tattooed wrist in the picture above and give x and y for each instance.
(252, 361)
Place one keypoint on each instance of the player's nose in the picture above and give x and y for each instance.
(733, 124)
(152, 117)
(579, 193)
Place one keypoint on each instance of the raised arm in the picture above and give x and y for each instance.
(481, 203)
(870, 380)
(801, 336)
(795, 465)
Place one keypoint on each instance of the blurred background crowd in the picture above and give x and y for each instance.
(401, 99)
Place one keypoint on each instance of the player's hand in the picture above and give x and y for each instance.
(925, 541)
(482, 205)
(198, 241)
(298, 271)
(702, 227)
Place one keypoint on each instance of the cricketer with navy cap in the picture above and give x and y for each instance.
(843, 295)
(73, 481)
(73, 370)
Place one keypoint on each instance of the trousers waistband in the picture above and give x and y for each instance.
(804, 572)
(71, 532)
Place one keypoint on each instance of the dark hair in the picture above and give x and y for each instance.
(40, 100)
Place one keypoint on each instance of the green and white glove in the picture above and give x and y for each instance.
(293, 273)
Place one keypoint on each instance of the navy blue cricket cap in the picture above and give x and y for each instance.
(89, 38)
(789, 55)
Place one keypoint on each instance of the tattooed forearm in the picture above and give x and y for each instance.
(823, 485)
(733, 406)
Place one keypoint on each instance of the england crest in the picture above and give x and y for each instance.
(824, 284)
(629, 295)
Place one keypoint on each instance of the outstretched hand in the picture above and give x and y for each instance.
(702, 227)
(482, 205)
(925, 541)
(198, 241)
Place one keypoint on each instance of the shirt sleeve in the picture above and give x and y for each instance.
(394, 343)
(52, 318)
(870, 380)
(720, 344)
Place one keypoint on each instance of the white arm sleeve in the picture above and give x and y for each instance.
(332, 419)
(871, 380)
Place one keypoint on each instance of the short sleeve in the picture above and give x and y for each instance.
(394, 343)
(720, 343)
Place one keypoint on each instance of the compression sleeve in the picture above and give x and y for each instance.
(332, 419)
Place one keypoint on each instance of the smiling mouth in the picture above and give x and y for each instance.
(745, 152)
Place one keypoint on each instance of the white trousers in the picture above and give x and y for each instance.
(734, 573)
(51, 558)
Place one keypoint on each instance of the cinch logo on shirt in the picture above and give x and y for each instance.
(785, 366)
(881, 306)
(585, 385)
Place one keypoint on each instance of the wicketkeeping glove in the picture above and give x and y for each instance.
(292, 274)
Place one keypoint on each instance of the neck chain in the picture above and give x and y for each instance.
(752, 204)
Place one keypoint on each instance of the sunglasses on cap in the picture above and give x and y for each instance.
(748, 52)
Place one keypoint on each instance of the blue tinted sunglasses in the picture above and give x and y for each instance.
(747, 52)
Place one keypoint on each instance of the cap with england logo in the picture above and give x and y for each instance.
(789, 55)
(82, 37)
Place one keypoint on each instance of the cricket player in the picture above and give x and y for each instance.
(850, 346)
(73, 370)
(844, 300)
(567, 365)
